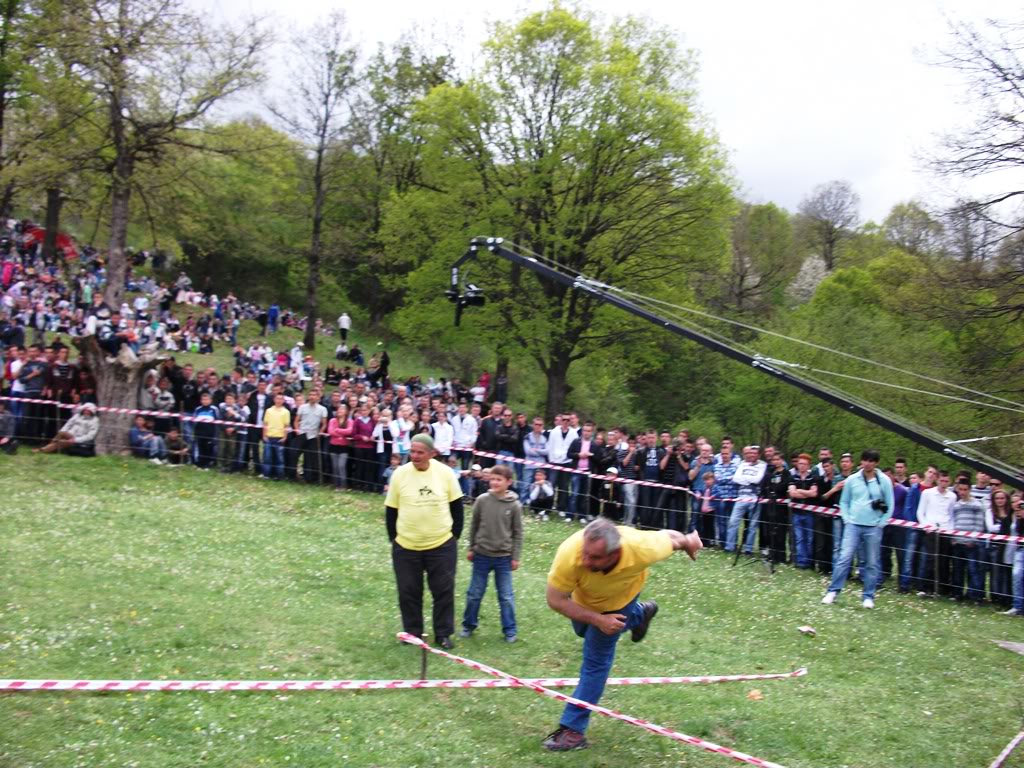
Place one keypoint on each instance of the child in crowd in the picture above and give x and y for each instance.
(495, 544)
(542, 495)
(707, 506)
(396, 462)
(177, 448)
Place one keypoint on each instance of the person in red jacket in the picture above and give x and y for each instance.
(363, 456)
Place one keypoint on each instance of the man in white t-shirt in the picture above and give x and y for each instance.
(310, 423)
(747, 478)
(444, 434)
(344, 325)
(936, 509)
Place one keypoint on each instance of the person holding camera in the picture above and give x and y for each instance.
(866, 506)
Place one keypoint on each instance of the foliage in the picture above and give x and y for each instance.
(578, 143)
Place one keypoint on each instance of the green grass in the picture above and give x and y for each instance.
(115, 568)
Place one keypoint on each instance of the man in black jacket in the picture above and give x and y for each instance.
(648, 468)
(487, 437)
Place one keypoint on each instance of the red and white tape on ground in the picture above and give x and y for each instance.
(658, 729)
(358, 685)
(998, 762)
(828, 511)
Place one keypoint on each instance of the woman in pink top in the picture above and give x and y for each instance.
(339, 430)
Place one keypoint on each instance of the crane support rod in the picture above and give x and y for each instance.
(495, 245)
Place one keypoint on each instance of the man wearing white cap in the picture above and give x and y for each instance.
(424, 518)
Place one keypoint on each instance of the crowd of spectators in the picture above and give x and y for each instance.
(278, 415)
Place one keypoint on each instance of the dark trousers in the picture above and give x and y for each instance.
(363, 467)
(438, 565)
(648, 513)
(291, 456)
(561, 481)
(891, 540)
(932, 546)
(823, 543)
(671, 511)
(775, 530)
(309, 448)
(206, 451)
(251, 451)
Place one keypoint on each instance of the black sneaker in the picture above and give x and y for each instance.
(565, 740)
(650, 611)
(446, 643)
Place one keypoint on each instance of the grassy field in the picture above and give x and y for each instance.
(115, 568)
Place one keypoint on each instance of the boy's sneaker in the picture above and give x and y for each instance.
(1011, 612)
(465, 633)
(510, 638)
(564, 740)
(868, 602)
(650, 609)
(829, 598)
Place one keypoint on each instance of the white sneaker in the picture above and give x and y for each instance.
(868, 603)
(1011, 612)
(829, 598)
(155, 460)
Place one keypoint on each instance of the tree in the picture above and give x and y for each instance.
(158, 70)
(386, 164)
(579, 143)
(910, 227)
(316, 115)
(764, 259)
(829, 214)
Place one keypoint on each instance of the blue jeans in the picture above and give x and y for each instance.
(741, 509)
(803, 539)
(482, 567)
(1017, 579)
(853, 535)
(723, 511)
(969, 558)
(273, 457)
(598, 655)
(905, 554)
(579, 498)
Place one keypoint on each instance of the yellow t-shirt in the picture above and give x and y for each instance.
(422, 498)
(277, 421)
(603, 592)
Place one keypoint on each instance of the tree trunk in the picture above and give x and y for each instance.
(120, 199)
(557, 375)
(501, 372)
(54, 201)
(315, 248)
(117, 386)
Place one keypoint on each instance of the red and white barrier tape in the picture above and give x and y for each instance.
(653, 728)
(828, 511)
(358, 685)
(998, 762)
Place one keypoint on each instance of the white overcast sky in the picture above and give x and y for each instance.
(800, 92)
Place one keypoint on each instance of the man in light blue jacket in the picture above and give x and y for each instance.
(866, 506)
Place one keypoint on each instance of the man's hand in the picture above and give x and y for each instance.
(610, 623)
(515, 565)
(469, 555)
(690, 543)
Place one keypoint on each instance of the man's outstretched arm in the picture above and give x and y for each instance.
(690, 543)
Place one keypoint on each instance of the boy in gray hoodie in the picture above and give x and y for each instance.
(495, 544)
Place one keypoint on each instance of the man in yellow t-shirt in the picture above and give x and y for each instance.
(276, 421)
(595, 581)
(424, 517)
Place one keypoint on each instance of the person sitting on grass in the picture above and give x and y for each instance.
(495, 544)
(177, 449)
(145, 444)
(542, 494)
(78, 435)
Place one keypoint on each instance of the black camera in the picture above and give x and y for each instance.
(879, 505)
